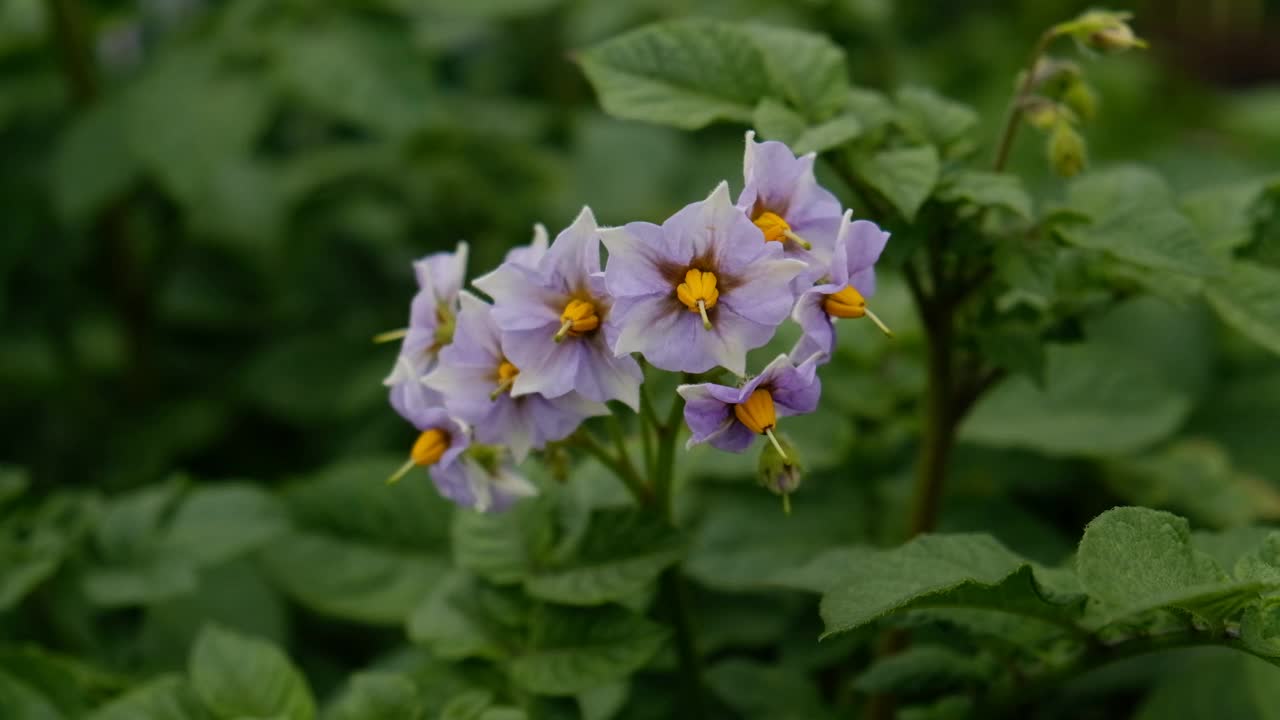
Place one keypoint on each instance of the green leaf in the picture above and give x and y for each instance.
(755, 690)
(1247, 300)
(622, 552)
(20, 701)
(923, 670)
(361, 72)
(211, 116)
(378, 696)
(987, 189)
(237, 676)
(934, 119)
(34, 543)
(217, 523)
(1221, 213)
(165, 698)
(1133, 217)
(904, 176)
(690, 73)
(573, 650)
(361, 581)
(1097, 400)
(93, 165)
(1215, 685)
(1194, 478)
(502, 548)
(775, 121)
(451, 621)
(862, 585)
(1134, 560)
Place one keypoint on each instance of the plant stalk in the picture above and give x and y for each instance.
(1012, 120)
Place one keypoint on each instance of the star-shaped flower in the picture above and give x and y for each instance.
(555, 321)
(782, 197)
(730, 418)
(698, 291)
(849, 279)
(475, 376)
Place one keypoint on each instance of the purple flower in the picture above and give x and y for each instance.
(475, 376)
(730, 418)
(415, 402)
(783, 198)
(849, 279)
(434, 307)
(698, 291)
(555, 321)
(482, 485)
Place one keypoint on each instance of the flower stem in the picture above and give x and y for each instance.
(1014, 116)
(620, 466)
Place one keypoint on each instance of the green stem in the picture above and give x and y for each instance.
(623, 469)
(664, 466)
(1014, 115)
(674, 593)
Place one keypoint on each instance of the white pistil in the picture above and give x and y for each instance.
(883, 328)
(702, 309)
(769, 431)
(390, 336)
(797, 239)
(563, 331)
(399, 474)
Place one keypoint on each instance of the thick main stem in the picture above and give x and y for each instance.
(939, 427)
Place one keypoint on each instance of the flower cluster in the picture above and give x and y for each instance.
(487, 382)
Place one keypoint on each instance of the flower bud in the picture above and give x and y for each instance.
(1066, 150)
(1103, 30)
(1081, 99)
(780, 473)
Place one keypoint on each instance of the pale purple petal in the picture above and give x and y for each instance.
(441, 275)
(546, 367)
(779, 182)
(529, 255)
(575, 254)
(637, 253)
(522, 301)
(796, 389)
(413, 400)
(704, 413)
(763, 293)
(602, 376)
(735, 437)
(819, 333)
(864, 241)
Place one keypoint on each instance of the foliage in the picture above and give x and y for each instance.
(1059, 463)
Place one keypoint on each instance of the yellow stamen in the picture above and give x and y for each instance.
(427, 450)
(579, 317)
(506, 377)
(429, 447)
(849, 303)
(776, 229)
(757, 413)
(698, 293)
(390, 336)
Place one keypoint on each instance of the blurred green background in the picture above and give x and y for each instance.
(207, 208)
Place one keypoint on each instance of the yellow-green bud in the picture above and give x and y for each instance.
(780, 473)
(1102, 30)
(1066, 150)
(1081, 99)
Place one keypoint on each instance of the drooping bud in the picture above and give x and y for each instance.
(779, 470)
(1081, 98)
(1103, 30)
(1066, 150)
